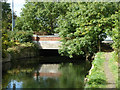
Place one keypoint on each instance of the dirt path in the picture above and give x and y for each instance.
(109, 76)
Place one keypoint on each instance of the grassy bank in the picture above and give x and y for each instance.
(96, 77)
(113, 64)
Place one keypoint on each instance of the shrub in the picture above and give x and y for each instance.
(5, 44)
(20, 36)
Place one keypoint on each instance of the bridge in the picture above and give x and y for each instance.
(53, 41)
(47, 41)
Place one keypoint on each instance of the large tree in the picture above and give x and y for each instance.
(84, 26)
(43, 16)
(6, 16)
(115, 31)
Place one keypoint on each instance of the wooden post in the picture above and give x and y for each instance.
(99, 46)
(14, 86)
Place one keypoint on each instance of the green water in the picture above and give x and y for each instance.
(25, 73)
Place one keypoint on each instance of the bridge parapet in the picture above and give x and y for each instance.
(46, 38)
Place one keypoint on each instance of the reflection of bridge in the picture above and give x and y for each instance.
(47, 42)
(48, 70)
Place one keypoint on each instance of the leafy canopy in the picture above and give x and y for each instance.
(6, 16)
(84, 26)
(42, 16)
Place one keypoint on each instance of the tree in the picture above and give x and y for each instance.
(115, 31)
(83, 27)
(6, 25)
(43, 16)
(6, 16)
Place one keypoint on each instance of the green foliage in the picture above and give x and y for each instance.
(19, 47)
(38, 16)
(5, 43)
(84, 26)
(76, 80)
(115, 31)
(20, 36)
(13, 39)
(97, 78)
(19, 22)
(23, 50)
(6, 16)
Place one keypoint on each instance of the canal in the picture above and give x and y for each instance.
(45, 71)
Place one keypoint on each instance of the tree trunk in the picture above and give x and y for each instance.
(51, 27)
(99, 46)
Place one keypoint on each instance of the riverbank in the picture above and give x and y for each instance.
(96, 77)
(23, 50)
(104, 71)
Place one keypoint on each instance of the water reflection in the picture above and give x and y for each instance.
(15, 84)
(37, 75)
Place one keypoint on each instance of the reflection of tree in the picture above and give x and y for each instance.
(17, 75)
(5, 80)
(72, 76)
(42, 82)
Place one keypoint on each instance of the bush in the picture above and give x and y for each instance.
(23, 50)
(20, 36)
(5, 44)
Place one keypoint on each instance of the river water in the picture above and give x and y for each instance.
(45, 72)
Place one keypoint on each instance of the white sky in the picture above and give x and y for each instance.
(18, 5)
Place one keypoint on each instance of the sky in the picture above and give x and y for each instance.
(18, 5)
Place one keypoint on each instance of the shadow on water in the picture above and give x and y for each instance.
(48, 70)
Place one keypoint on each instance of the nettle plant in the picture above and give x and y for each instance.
(84, 26)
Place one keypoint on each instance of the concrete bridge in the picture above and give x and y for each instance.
(53, 41)
(47, 41)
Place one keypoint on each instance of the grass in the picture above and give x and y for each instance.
(113, 64)
(97, 77)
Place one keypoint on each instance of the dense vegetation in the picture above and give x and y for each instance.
(20, 36)
(85, 24)
(40, 17)
(20, 41)
(82, 26)
(5, 44)
(6, 16)
(12, 39)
